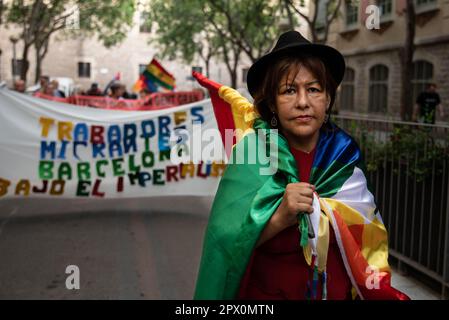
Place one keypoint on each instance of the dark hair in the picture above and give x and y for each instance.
(265, 96)
(115, 86)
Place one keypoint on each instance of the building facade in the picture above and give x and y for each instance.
(372, 82)
(86, 60)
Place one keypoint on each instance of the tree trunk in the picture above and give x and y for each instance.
(290, 16)
(41, 52)
(233, 75)
(38, 66)
(207, 62)
(1, 11)
(25, 63)
(236, 53)
(406, 56)
(232, 66)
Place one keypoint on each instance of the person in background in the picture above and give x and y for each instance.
(144, 93)
(127, 95)
(44, 81)
(94, 90)
(117, 90)
(426, 103)
(49, 89)
(19, 86)
(56, 92)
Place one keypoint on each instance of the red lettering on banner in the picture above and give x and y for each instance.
(96, 134)
(95, 191)
(172, 172)
(120, 184)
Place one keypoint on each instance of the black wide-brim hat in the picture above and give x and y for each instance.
(293, 43)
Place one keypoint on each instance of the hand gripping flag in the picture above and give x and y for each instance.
(245, 201)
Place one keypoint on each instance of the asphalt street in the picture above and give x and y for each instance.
(123, 248)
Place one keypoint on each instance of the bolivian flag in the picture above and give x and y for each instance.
(155, 76)
(246, 199)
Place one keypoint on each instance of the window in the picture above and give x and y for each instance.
(422, 74)
(142, 68)
(378, 89)
(16, 65)
(144, 22)
(422, 6)
(244, 74)
(347, 90)
(352, 10)
(420, 3)
(84, 69)
(384, 7)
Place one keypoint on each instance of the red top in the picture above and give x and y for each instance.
(278, 269)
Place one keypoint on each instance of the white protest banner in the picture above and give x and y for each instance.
(51, 149)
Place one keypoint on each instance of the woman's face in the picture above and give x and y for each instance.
(301, 106)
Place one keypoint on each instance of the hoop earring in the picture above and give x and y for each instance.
(274, 121)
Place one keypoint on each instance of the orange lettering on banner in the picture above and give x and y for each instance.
(180, 117)
(57, 187)
(4, 184)
(64, 130)
(46, 124)
(23, 186)
(187, 168)
(217, 169)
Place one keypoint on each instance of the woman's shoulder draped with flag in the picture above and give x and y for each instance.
(230, 234)
(245, 201)
(340, 178)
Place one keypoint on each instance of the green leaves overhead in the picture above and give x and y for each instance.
(109, 20)
(184, 27)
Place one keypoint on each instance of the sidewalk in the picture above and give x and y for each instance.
(413, 288)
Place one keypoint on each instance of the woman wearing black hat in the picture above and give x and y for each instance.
(311, 230)
(294, 91)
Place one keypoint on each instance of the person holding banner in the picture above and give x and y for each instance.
(311, 229)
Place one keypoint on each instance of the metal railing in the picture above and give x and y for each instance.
(408, 171)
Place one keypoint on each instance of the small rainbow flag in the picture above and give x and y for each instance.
(155, 76)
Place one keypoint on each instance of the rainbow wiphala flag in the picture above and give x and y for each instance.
(245, 201)
(155, 76)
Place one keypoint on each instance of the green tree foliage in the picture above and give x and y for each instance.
(253, 25)
(323, 13)
(420, 151)
(2, 7)
(38, 20)
(182, 32)
(219, 29)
